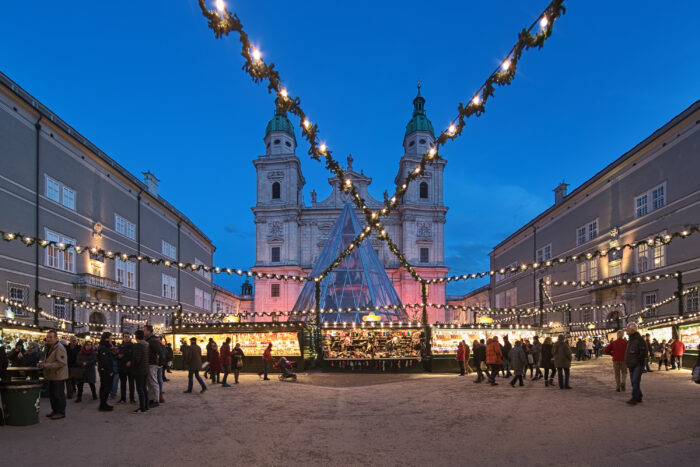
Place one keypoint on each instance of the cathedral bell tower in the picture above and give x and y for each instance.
(277, 211)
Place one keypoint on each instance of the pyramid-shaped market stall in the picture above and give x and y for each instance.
(359, 281)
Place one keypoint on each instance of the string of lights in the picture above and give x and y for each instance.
(664, 239)
(143, 309)
(613, 281)
(29, 241)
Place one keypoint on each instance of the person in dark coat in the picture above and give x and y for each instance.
(505, 351)
(33, 355)
(547, 362)
(74, 370)
(156, 357)
(125, 375)
(3, 361)
(17, 354)
(536, 351)
(562, 361)
(650, 352)
(518, 363)
(635, 357)
(183, 351)
(226, 361)
(214, 363)
(479, 352)
(138, 366)
(168, 359)
(237, 361)
(86, 361)
(460, 358)
(194, 364)
(105, 368)
(580, 349)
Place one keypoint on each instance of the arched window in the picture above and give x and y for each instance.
(424, 190)
(276, 190)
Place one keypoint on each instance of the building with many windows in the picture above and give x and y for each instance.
(651, 190)
(291, 234)
(57, 185)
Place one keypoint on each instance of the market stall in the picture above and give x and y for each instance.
(372, 347)
(289, 339)
(445, 339)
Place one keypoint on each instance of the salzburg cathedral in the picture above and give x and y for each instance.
(291, 235)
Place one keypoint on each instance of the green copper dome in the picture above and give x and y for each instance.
(280, 122)
(419, 122)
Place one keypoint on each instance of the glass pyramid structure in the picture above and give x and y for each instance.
(359, 280)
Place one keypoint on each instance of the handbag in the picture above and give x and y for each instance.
(239, 363)
(696, 374)
(483, 366)
(530, 360)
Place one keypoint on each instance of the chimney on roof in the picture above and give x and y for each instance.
(560, 193)
(151, 182)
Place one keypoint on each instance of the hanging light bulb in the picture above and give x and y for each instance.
(452, 129)
(220, 5)
(476, 100)
(257, 56)
(505, 65)
(284, 93)
(307, 124)
(544, 22)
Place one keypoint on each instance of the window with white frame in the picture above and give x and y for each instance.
(125, 272)
(586, 315)
(60, 306)
(60, 193)
(57, 256)
(544, 253)
(650, 201)
(124, 227)
(17, 293)
(507, 299)
(587, 270)
(202, 272)
(206, 301)
(649, 299)
(169, 287)
(650, 257)
(587, 232)
(614, 267)
(169, 250)
(506, 271)
(691, 302)
(198, 297)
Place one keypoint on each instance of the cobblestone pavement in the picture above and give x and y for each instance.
(354, 419)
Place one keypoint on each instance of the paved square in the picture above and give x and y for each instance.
(359, 419)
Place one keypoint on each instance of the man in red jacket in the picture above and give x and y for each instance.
(617, 349)
(460, 358)
(677, 349)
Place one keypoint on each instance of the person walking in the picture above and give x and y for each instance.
(677, 350)
(596, 347)
(105, 368)
(547, 362)
(226, 361)
(155, 356)
(193, 365)
(208, 349)
(617, 349)
(74, 370)
(562, 361)
(467, 351)
(580, 348)
(267, 359)
(214, 363)
(169, 356)
(183, 351)
(479, 358)
(126, 376)
(138, 366)
(460, 358)
(55, 367)
(536, 352)
(494, 359)
(237, 361)
(663, 353)
(86, 360)
(589, 349)
(635, 356)
(650, 352)
(507, 346)
(518, 362)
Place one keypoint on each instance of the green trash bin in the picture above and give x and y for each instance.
(20, 402)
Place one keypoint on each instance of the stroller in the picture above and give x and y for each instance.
(287, 369)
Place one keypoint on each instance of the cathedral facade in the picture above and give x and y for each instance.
(291, 234)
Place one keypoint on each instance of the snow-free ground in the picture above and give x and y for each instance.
(379, 419)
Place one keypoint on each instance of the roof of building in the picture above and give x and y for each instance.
(483, 288)
(619, 161)
(419, 121)
(226, 291)
(280, 122)
(45, 112)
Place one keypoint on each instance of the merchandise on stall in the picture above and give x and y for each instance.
(445, 340)
(690, 336)
(253, 343)
(371, 343)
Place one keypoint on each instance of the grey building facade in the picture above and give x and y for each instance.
(56, 185)
(653, 189)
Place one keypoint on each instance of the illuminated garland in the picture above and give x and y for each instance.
(112, 307)
(480, 326)
(658, 239)
(15, 304)
(29, 240)
(611, 281)
(564, 308)
(14, 322)
(663, 302)
(237, 325)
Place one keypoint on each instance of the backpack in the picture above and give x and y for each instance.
(696, 374)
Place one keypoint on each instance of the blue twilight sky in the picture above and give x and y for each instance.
(148, 83)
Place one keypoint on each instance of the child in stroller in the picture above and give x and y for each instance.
(287, 369)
